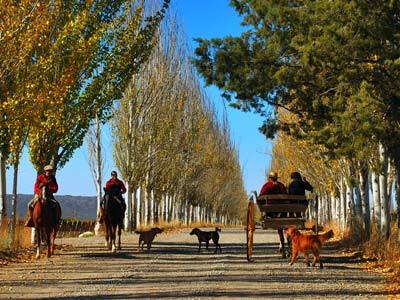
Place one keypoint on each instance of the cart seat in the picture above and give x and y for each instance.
(281, 203)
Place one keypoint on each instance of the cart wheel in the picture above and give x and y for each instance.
(250, 230)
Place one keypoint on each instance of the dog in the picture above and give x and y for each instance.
(307, 243)
(206, 236)
(147, 237)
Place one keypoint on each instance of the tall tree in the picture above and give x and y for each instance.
(95, 55)
(333, 64)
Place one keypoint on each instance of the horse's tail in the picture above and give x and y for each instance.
(137, 232)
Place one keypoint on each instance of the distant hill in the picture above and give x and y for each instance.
(83, 208)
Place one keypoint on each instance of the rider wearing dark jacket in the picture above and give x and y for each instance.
(299, 185)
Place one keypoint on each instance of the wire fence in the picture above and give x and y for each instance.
(72, 228)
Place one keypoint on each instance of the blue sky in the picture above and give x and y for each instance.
(200, 18)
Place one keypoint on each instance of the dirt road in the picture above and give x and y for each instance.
(174, 269)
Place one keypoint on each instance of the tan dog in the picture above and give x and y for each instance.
(307, 243)
(147, 237)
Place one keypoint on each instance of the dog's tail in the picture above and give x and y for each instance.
(326, 236)
(217, 229)
(137, 232)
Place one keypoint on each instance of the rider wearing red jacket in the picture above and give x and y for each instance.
(45, 179)
(273, 186)
(116, 187)
(115, 183)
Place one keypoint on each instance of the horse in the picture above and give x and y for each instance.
(46, 220)
(113, 219)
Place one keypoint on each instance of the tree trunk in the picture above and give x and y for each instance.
(99, 164)
(321, 208)
(146, 206)
(358, 212)
(385, 214)
(349, 204)
(316, 208)
(166, 217)
(139, 207)
(3, 188)
(377, 199)
(128, 211)
(187, 214)
(142, 206)
(135, 208)
(342, 204)
(328, 208)
(337, 211)
(14, 202)
(171, 208)
(398, 202)
(151, 207)
(364, 194)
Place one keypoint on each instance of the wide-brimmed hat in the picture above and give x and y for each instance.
(48, 168)
(273, 174)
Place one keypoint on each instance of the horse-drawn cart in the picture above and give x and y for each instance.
(277, 212)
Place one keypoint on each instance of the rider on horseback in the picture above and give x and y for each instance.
(45, 179)
(116, 187)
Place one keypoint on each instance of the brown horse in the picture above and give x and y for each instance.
(113, 219)
(46, 219)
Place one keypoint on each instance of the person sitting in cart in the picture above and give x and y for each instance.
(273, 186)
(299, 186)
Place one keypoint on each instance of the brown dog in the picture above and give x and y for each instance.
(147, 237)
(307, 243)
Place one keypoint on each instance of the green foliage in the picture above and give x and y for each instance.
(334, 64)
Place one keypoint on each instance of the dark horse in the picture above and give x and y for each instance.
(46, 219)
(113, 218)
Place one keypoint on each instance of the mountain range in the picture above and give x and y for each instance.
(79, 207)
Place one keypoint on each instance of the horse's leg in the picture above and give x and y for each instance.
(282, 240)
(113, 237)
(48, 240)
(119, 236)
(107, 226)
(53, 238)
(37, 232)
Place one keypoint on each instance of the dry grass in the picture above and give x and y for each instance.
(386, 256)
(13, 250)
(381, 255)
(22, 237)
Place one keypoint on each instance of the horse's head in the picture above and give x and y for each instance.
(45, 194)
